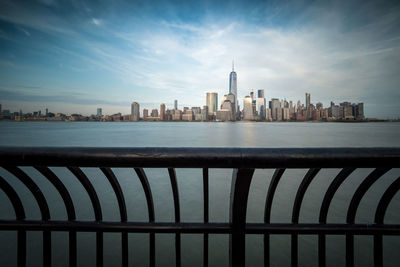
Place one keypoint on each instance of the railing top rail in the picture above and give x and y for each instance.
(189, 157)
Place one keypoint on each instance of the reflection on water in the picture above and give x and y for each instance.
(190, 190)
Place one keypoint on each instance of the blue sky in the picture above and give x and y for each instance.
(75, 56)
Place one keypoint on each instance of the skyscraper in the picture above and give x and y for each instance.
(99, 112)
(162, 112)
(212, 103)
(233, 85)
(135, 113)
(260, 93)
(275, 106)
(308, 116)
(175, 104)
(261, 104)
(247, 108)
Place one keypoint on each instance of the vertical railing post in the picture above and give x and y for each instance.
(240, 186)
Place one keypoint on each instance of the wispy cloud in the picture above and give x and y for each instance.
(152, 56)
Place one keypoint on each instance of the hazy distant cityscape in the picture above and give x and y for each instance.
(255, 108)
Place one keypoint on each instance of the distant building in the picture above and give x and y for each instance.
(175, 104)
(145, 113)
(359, 111)
(99, 112)
(275, 106)
(154, 113)
(285, 114)
(226, 113)
(247, 108)
(229, 98)
(204, 113)
(188, 116)
(308, 106)
(196, 110)
(212, 103)
(162, 112)
(268, 116)
(177, 116)
(135, 112)
(233, 85)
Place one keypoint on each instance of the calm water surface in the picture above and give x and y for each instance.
(193, 134)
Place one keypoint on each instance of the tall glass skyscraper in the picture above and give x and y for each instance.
(233, 85)
(212, 103)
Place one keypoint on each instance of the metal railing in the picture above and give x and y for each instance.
(243, 161)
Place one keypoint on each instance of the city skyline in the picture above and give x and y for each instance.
(75, 57)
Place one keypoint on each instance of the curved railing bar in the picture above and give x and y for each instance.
(82, 178)
(147, 191)
(69, 205)
(118, 192)
(20, 215)
(14, 198)
(333, 187)
(385, 201)
(33, 188)
(150, 207)
(354, 203)
(94, 199)
(62, 190)
(271, 193)
(122, 210)
(296, 209)
(323, 214)
(379, 217)
(361, 190)
(267, 211)
(42, 203)
(175, 192)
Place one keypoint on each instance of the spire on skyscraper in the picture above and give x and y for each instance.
(233, 65)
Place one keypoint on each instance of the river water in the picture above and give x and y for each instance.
(181, 134)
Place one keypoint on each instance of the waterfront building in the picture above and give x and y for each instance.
(268, 116)
(196, 110)
(279, 113)
(260, 93)
(359, 113)
(233, 85)
(308, 116)
(212, 103)
(99, 112)
(135, 113)
(285, 114)
(247, 108)
(162, 112)
(188, 115)
(226, 113)
(145, 113)
(335, 111)
(275, 105)
(204, 113)
(175, 104)
(154, 113)
(229, 98)
(177, 116)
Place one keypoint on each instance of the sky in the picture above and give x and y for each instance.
(75, 56)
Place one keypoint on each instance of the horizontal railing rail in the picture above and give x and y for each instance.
(201, 157)
(243, 161)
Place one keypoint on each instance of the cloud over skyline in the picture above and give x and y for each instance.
(77, 55)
